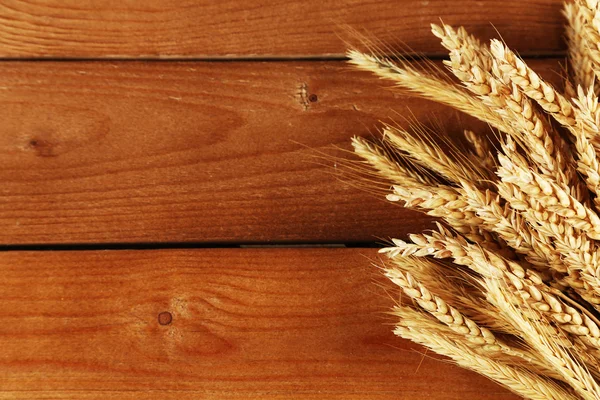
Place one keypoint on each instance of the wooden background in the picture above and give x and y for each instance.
(162, 211)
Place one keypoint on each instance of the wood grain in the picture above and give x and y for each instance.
(194, 152)
(263, 28)
(251, 324)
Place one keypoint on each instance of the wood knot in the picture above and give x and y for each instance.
(43, 148)
(165, 318)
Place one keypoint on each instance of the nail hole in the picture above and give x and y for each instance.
(165, 318)
(313, 98)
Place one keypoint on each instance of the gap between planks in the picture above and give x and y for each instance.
(262, 58)
(179, 246)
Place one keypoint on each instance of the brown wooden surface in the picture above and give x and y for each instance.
(246, 323)
(193, 152)
(175, 28)
(211, 152)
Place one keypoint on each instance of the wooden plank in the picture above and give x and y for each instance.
(174, 28)
(244, 323)
(193, 152)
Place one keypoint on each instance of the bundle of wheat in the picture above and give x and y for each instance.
(509, 284)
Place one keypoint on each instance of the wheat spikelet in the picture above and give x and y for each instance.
(587, 113)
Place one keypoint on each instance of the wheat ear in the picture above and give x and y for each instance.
(425, 85)
(424, 151)
(581, 63)
(571, 370)
(590, 15)
(377, 157)
(552, 196)
(518, 380)
(478, 337)
(454, 287)
(528, 284)
(443, 312)
(473, 64)
(532, 85)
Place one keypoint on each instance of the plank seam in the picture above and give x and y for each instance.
(227, 59)
(164, 246)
